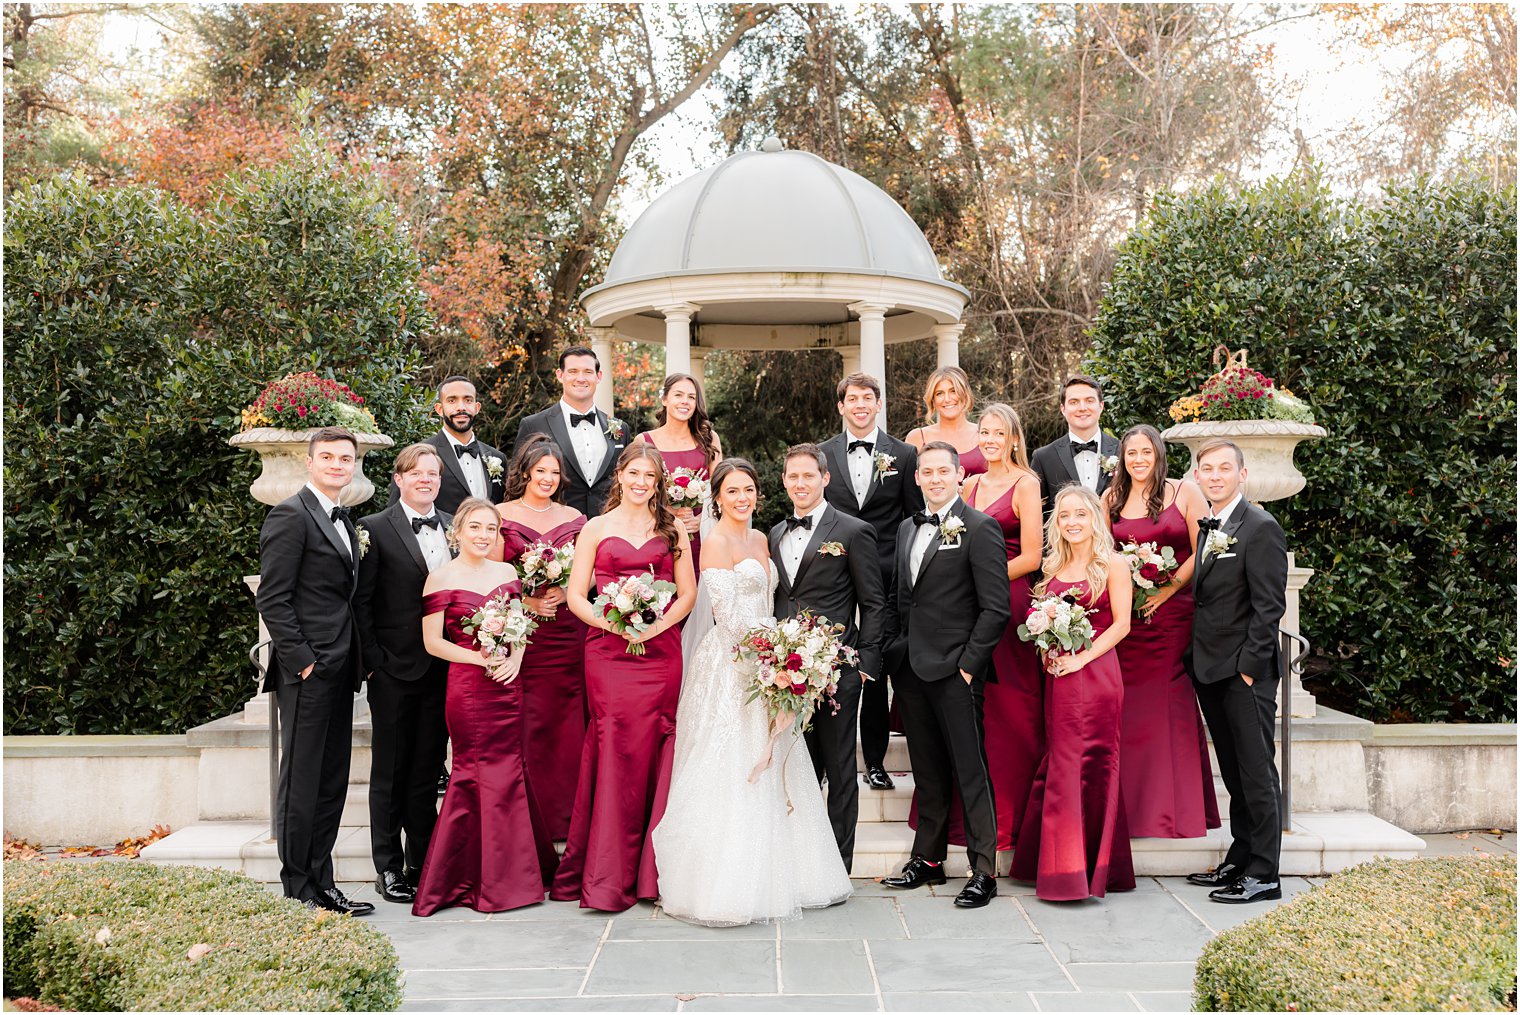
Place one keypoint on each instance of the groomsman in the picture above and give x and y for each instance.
(307, 563)
(1239, 594)
(869, 472)
(950, 612)
(826, 562)
(399, 547)
(1078, 456)
(591, 439)
(471, 467)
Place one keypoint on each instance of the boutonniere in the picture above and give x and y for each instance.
(615, 428)
(1218, 542)
(884, 463)
(1109, 464)
(494, 467)
(363, 540)
(831, 549)
(950, 531)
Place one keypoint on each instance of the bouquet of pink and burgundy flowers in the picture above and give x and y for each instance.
(1058, 623)
(501, 626)
(686, 488)
(635, 604)
(1149, 568)
(795, 663)
(544, 565)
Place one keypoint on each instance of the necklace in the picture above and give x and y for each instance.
(524, 502)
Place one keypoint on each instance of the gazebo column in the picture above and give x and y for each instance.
(601, 344)
(851, 356)
(947, 344)
(678, 337)
(873, 347)
(699, 364)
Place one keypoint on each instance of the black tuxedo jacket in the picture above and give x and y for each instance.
(889, 498)
(834, 587)
(951, 616)
(1238, 600)
(1056, 466)
(306, 594)
(586, 494)
(453, 488)
(388, 601)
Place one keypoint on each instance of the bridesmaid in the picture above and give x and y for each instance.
(947, 406)
(630, 739)
(685, 440)
(490, 850)
(1073, 843)
(1163, 755)
(554, 670)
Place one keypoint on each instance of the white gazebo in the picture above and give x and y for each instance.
(774, 249)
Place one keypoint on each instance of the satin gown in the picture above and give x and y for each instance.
(627, 753)
(554, 689)
(695, 459)
(1164, 767)
(973, 462)
(490, 850)
(1073, 843)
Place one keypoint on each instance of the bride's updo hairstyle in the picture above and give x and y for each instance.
(722, 471)
(659, 503)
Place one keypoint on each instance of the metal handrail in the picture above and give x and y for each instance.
(274, 726)
(1288, 664)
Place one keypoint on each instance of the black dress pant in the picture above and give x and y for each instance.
(875, 710)
(410, 738)
(1241, 719)
(943, 722)
(316, 744)
(831, 742)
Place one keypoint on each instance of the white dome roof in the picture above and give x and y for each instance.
(773, 211)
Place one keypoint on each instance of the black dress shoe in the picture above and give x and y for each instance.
(916, 873)
(1219, 877)
(414, 877)
(443, 782)
(394, 887)
(877, 777)
(980, 890)
(1247, 890)
(340, 903)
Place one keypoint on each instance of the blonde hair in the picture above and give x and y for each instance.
(1005, 414)
(1058, 552)
(466, 508)
(958, 382)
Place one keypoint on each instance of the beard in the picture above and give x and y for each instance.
(455, 428)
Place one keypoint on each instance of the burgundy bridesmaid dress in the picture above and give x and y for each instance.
(490, 850)
(628, 750)
(1073, 843)
(1163, 754)
(973, 462)
(695, 459)
(554, 689)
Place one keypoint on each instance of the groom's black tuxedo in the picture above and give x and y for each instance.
(948, 616)
(585, 493)
(406, 691)
(1057, 466)
(306, 594)
(453, 488)
(1239, 595)
(835, 587)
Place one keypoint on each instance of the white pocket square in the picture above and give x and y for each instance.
(950, 546)
(1223, 556)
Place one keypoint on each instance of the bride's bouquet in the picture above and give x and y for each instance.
(794, 663)
(544, 565)
(1058, 623)
(635, 604)
(685, 488)
(1149, 568)
(501, 626)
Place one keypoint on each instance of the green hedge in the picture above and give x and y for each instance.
(118, 936)
(1396, 321)
(1392, 935)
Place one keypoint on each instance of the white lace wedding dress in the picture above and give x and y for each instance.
(729, 851)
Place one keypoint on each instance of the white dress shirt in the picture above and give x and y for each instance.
(430, 539)
(1087, 461)
(327, 504)
(921, 541)
(794, 543)
(861, 463)
(590, 446)
(1229, 509)
(473, 467)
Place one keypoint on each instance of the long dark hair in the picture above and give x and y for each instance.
(722, 472)
(1155, 495)
(529, 452)
(699, 424)
(664, 517)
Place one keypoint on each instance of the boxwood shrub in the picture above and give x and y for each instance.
(134, 936)
(1392, 935)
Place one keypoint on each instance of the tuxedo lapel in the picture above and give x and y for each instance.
(561, 435)
(328, 529)
(825, 525)
(1229, 528)
(609, 459)
(1108, 447)
(408, 537)
(1068, 459)
(450, 460)
(839, 470)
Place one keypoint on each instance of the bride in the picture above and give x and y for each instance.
(745, 837)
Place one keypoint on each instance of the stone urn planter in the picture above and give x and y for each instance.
(284, 457)
(1267, 445)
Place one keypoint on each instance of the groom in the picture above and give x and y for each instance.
(826, 562)
(950, 611)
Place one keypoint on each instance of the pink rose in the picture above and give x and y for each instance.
(493, 625)
(782, 679)
(1038, 623)
(1050, 610)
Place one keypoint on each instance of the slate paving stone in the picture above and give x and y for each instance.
(654, 1002)
(684, 967)
(492, 945)
(788, 1002)
(1219, 916)
(670, 929)
(936, 918)
(1132, 976)
(1121, 927)
(958, 1001)
(452, 985)
(826, 967)
(1088, 1000)
(965, 965)
(872, 918)
(1164, 1000)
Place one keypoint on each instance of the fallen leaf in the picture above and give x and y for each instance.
(102, 935)
(197, 952)
(686, 997)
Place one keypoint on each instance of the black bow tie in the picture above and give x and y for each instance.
(925, 518)
(1077, 447)
(340, 512)
(577, 418)
(472, 448)
(868, 445)
(1208, 524)
(794, 522)
(418, 524)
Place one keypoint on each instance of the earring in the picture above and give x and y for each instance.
(717, 510)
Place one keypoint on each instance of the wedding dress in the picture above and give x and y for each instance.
(730, 851)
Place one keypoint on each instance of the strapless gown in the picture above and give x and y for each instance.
(695, 459)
